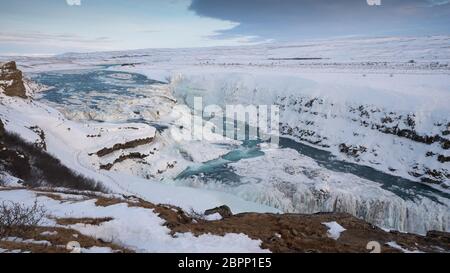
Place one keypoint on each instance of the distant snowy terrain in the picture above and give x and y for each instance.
(378, 104)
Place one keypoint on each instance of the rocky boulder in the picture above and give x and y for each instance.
(11, 80)
(224, 211)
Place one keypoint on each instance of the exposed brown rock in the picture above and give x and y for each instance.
(224, 211)
(58, 241)
(122, 158)
(11, 80)
(282, 233)
(85, 221)
(121, 146)
(2, 129)
(353, 151)
(444, 237)
(443, 158)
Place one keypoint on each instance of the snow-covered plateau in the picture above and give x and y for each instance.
(364, 126)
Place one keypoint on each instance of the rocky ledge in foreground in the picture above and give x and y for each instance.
(317, 233)
(11, 80)
(279, 233)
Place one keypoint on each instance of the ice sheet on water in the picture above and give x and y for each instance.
(286, 180)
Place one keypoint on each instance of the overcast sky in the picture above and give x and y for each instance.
(57, 26)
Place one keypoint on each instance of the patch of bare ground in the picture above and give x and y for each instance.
(280, 233)
(294, 232)
(11, 188)
(306, 233)
(106, 202)
(83, 195)
(61, 197)
(58, 239)
(53, 196)
(85, 221)
(122, 146)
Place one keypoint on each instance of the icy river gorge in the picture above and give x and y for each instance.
(293, 177)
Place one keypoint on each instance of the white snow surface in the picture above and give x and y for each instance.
(402, 249)
(213, 217)
(136, 228)
(334, 230)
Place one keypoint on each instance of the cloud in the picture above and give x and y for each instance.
(31, 37)
(432, 3)
(73, 2)
(47, 42)
(298, 19)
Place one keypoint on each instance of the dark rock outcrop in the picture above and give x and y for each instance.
(11, 80)
(284, 233)
(401, 125)
(122, 146)
(41, 142)
(2, 129)
(443, 158)
(37, 168)
(122, 158)
(353, 151)
(224, 211)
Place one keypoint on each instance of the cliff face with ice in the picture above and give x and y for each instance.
(374, 135)
(291, 182)
(398, 124)
(296, 183)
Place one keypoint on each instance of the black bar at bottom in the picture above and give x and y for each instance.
(219, 262)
